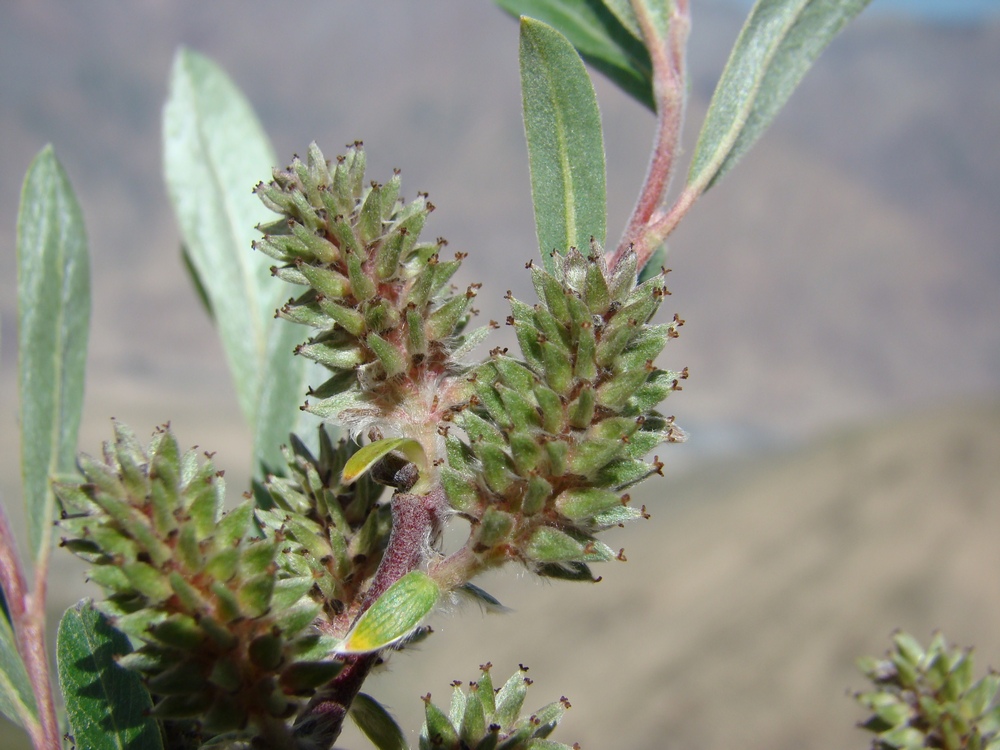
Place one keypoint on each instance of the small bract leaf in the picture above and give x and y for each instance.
(551, 545)
(473, 724)
(438, 730)
(485, 599)
(377, 723)
(909, 647)
(509, 699)
(394, 615)
(302, 677)
(369, 455)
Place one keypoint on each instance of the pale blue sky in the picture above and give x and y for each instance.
(944, 10)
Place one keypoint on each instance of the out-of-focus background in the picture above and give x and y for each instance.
(840, 291)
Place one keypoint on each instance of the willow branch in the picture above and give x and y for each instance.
(27, 614)
(416, 520)
(667, 54)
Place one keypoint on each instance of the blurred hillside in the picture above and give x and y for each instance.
(848, 268)
(749, 594)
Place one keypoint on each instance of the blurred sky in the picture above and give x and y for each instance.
(941, 9)
(938, 10)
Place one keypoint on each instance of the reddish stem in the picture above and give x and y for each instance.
(416, 519)
(27, 614)
(667, 57)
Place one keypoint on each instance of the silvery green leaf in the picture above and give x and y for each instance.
(780, 41)
(107, 705)
(394, 615)
(215, 151)
(565, 142)
(17, 700)
(602, 33)
(53, 286)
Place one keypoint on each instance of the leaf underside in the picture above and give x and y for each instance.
(780, 41)
(215, 151)
(53, 279)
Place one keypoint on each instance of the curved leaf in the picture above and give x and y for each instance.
(368, 455)
(565, 143)
(394, 615)
(107, 704)
(53, 286)
(214, 152)
(282, 391)
(779, 42)
(17, 700)
(377, 723)
(598, 31)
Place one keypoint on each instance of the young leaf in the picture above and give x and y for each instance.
(17, 701)
(565, 143)
(779, 42)
(369, 455)
(107, 704)
(599, 36)
(394, 615)
(53, 285)
(377, 723)
(215, 151)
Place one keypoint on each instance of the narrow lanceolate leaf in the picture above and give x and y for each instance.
(107, 704)
(17, 701)
(377, 723)
(779, 42)
(214, 152)
(369, 455)
(565, 143)
(282, 389)
(600, 36)
(53, 286)
(394, 615)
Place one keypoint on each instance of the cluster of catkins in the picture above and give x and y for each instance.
(548, 442)
(927, 698)
(388, 323)
(237, 614)
(551, 441)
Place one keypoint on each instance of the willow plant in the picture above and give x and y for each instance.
(255, 627)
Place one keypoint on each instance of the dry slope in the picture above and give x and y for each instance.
(751, 591)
